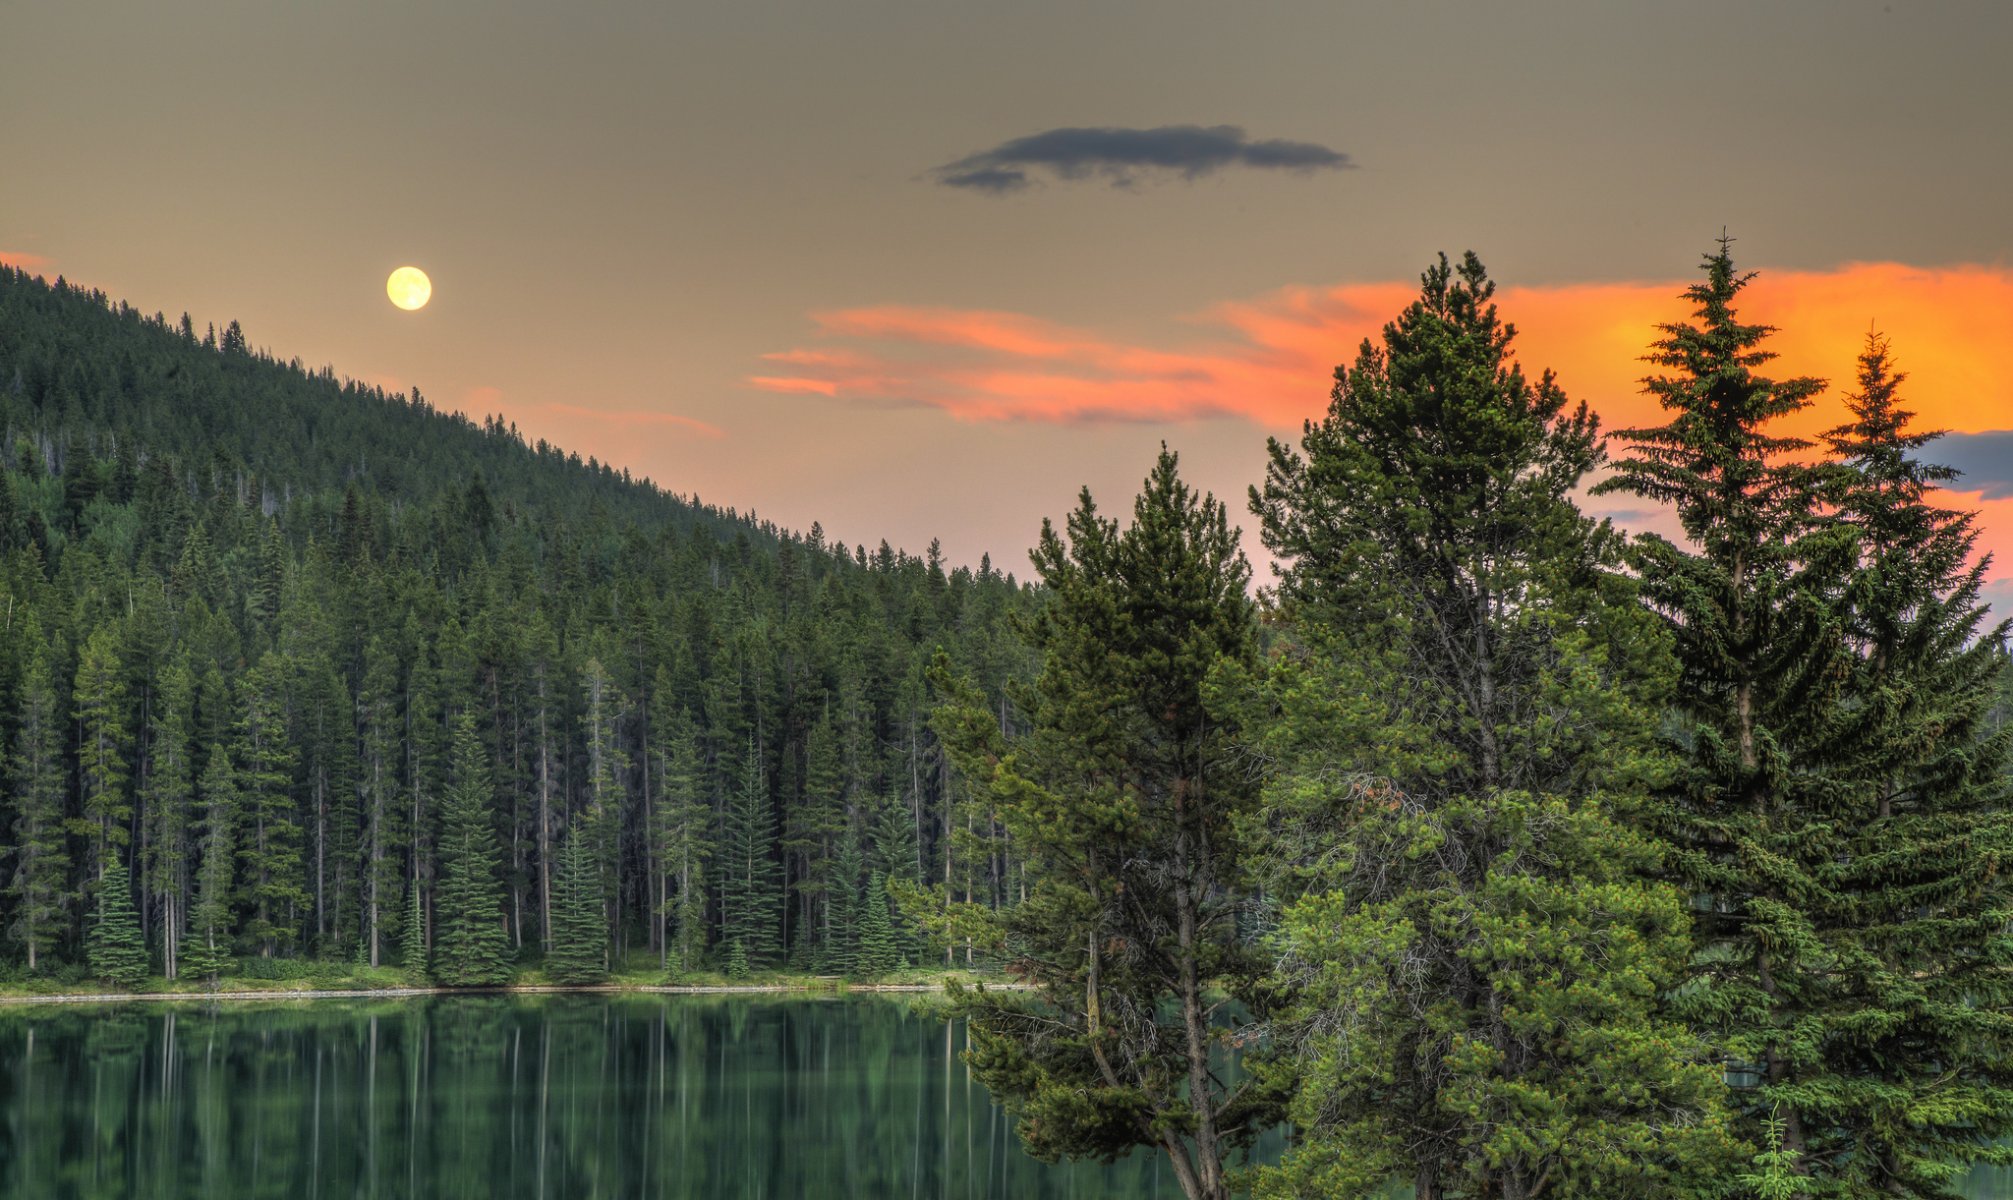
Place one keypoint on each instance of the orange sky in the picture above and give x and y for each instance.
(1266, 360)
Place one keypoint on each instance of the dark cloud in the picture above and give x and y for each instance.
(1986, 459)
(1122, 157)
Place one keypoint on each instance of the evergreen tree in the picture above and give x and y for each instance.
(579, 927)
(206, 949)
(102, 773)
(470, 948)
(412, 936)
(1128, 800)
(35, 779)
(1754, 815)
(1472, 953)
(737, 960)
(751, 881)
(117, 950)
(844, 910)
(1917, 1048)
(270, 846)
(878, 953)
(682, 846)
(170, 793)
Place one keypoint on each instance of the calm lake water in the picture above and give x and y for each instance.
(568, 1097)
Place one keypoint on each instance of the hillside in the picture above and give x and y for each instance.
(248, 604)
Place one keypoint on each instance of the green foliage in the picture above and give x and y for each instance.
(1471, 954)
(207, 554)
(412, 938)
(878, 953)
(737, 961)
(579, 931)
(117, 952)
(1127, 797)
(470, 948)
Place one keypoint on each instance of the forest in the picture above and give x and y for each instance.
(1484, 847)
(295, 669)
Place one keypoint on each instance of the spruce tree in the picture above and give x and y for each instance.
(116, 949)
(751, 880)
(1472, 952)
(470, 948)
(206, 949)
(41, 857)
(878, 953)
(579, 926)
(1130, 801)
(1918, 1026)
(1758, 815)
(843, 908)
(412, 933)
(103, 776)
(170, 792)
(273, 879)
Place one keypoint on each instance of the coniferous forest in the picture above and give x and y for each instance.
(295, 669)
(1484, 847)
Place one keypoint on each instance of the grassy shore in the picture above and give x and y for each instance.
(307, 979)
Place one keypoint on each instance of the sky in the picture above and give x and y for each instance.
(921, 270)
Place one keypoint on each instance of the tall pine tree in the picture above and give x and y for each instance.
(470, 948)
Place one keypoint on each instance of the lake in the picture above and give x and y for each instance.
(562, 1096)
(571, 1097)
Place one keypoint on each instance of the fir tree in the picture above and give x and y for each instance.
(1473, 954)
(206, 949)
(737, 960)
(878, 953)
(1918, 1026)
(116, 949)
(1753, 816)
(41, 858)
(843, 906)
(102, 773)
(470, 949)
(170, 793)
(1129, 801)
(270, 847)
(751, 881)
(579, 927)
(412, 935)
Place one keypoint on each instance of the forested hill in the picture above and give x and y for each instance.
(299, 668)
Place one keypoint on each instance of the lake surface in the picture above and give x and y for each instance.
(568, 1097)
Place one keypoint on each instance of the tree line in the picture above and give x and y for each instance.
(1495, 852)
(295, 669)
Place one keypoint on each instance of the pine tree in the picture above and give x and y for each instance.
(737, 960)
(579, 926)
(1471, 949)
(1129, 800)
(116, 948)
(41, 857)
(751, 880)
(1917, 1048)
(470, 948)
(607, 768)
(843, 906)
(102, 773)
(1752, 816)
(412, 934)
(206, 948)
(270, 846)
(170, 792)
(681, 845)
(878, 953)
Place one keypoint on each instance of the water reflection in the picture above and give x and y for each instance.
(565, 1097)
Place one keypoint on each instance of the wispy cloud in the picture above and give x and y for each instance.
(1269, 359)
(34, 264)
(1125, 157)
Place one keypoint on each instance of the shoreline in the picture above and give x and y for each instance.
(529, 989)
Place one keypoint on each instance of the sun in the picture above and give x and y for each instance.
(409, 288)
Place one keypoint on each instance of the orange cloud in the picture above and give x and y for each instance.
(33, 264)
(1270, 359)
